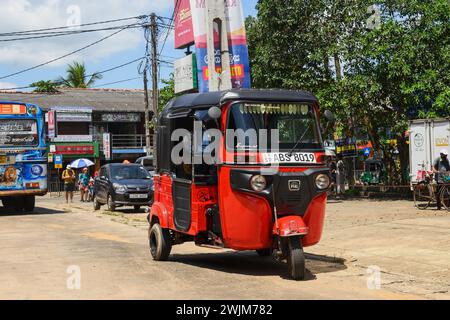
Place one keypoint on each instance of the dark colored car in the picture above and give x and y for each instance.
(123, 185)
(147, 163)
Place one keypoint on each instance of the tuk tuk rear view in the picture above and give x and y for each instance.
(240, 169)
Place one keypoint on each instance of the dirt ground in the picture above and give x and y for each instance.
(370, 250)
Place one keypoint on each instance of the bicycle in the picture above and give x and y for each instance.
(426, 192)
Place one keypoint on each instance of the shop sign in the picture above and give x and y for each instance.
(107, 146)
(58, 161)
(75, 149)
(73, 138)
(121, 117)
(185, 74)
(346, 147)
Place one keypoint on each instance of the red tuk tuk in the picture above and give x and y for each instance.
(253, 196)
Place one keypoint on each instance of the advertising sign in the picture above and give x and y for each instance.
(121, 117)
(346, 147)
(184, 33)
(19, 133)
(13, 109)
(73, 114)
(237, 39)
(75, 149)
(185, 74)
(107, 146)
(58, 161)
(51, 116)
(50, 158)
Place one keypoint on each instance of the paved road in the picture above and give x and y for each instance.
(111, 253)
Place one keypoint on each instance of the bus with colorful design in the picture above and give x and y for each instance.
(23, 156)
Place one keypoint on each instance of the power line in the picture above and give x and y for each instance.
(86, 76)
(68, 27)
(175, 9)
(62, 57)
(59, 34)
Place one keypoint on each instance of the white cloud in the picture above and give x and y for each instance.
(19, 15)
(7, 85)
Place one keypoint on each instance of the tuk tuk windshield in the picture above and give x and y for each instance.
(296, 124)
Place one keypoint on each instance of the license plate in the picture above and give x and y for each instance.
(138, 196)
(281, 157)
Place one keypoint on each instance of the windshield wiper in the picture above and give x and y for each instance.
(300, 140)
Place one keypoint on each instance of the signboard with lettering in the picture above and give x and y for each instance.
(107, 145)
(185, 74)
(50, 158)
(58, 161)
(73, 114)
(237, 38)
(18, 133)
(51, 119)
(346, 147)
(13, 109)
(184, 33)
(75, 149)
(121, 117)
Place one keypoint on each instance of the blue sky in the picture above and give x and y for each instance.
(19, 15)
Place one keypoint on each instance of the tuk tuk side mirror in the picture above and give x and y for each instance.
(214, 113)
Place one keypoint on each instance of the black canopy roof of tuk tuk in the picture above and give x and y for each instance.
(182, 106)
(202, 100)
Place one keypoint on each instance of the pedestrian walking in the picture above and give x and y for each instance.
(68, 176)
(340, 177)
(83, 180)
(441, 168)
(91, 189)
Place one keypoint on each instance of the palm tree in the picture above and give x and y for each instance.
(77, 76)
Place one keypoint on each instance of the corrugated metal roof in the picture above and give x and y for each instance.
(114, 100)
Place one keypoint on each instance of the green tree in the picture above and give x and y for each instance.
(167, 92)
(45, 86)
(375, 77)
(77, 77)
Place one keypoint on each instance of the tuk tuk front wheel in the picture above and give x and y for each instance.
(296, 259)
(160, 243)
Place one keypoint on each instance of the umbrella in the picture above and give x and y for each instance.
(81, 163)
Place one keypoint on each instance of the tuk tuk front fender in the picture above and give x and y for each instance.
(291, 226)
(158, 211)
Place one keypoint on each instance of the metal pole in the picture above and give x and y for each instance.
(147, 115)
(155, 92)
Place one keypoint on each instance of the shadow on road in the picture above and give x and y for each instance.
(249, 263)
(38, 211)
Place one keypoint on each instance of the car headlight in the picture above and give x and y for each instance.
(258, 183)
(322, 181)
(119, 188)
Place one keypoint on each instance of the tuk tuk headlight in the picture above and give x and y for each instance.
(322, 181)
(258, 183)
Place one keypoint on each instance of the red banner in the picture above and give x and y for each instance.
(184, 32)
(68, 149)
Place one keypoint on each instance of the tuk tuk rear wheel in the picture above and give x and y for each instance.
(160, 243)
(296, 259)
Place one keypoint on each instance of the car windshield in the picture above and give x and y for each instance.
(18, 133)
(296, 124)
(129, 172)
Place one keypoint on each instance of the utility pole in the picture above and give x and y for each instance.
(216, 18)
(155, 91)
(147, 114)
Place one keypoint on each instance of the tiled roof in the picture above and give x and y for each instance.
(116, 100)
